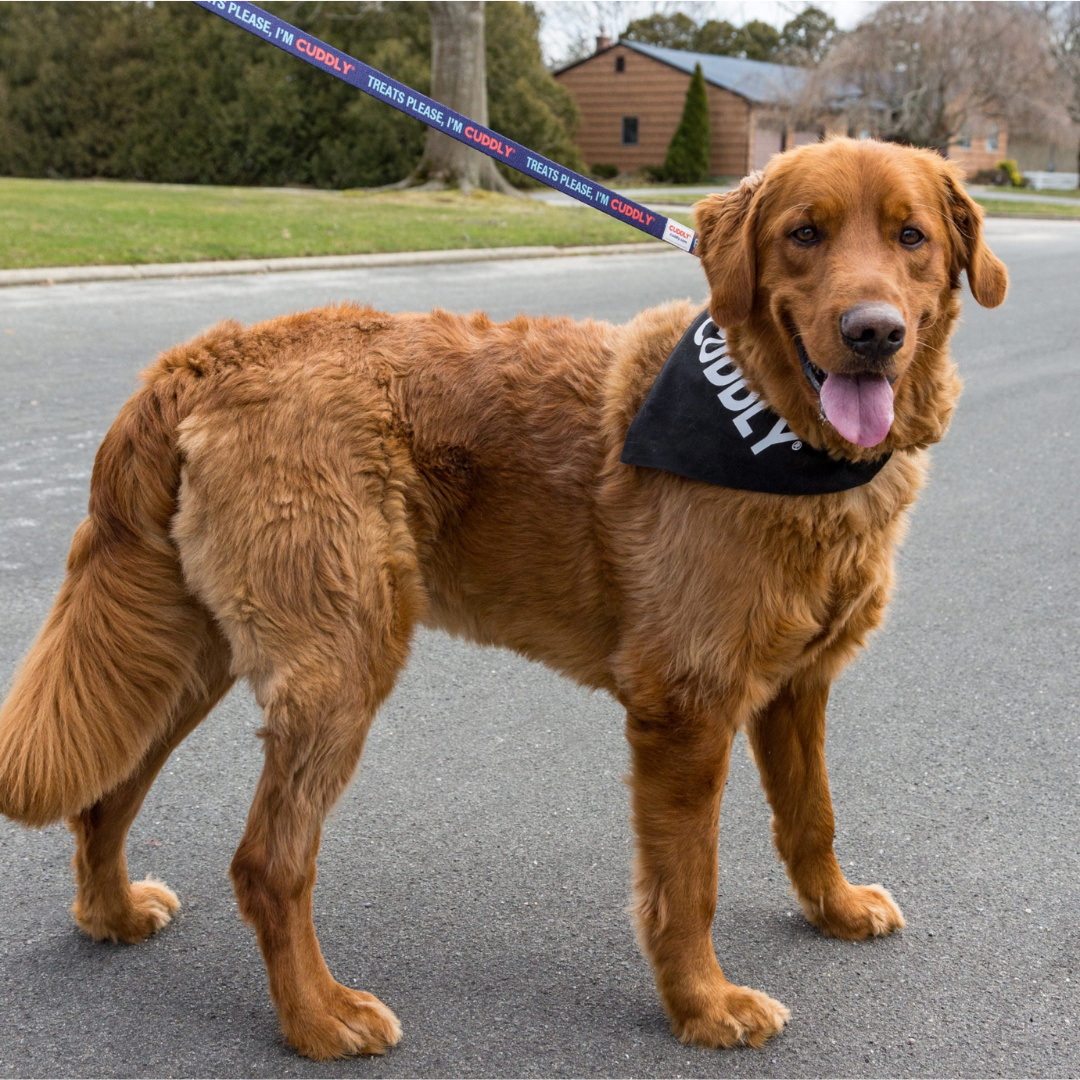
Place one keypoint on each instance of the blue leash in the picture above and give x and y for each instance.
(397, 95)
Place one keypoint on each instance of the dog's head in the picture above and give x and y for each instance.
(836, 273)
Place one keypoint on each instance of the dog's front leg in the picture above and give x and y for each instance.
(679, 766)
(788, 740)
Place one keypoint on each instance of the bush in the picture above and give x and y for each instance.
(604, 172)
(1012, 171)
(687, 160)
(173, 94)
(170, 93)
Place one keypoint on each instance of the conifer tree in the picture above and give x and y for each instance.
(687, 159)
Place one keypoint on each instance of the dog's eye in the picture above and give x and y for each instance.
(910, 237)
(806, 234)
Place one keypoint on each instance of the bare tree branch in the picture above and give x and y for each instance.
(1063, 24)
(919, 72)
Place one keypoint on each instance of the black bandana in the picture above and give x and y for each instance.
(701, 421)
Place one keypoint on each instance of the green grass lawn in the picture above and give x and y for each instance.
(85, 223)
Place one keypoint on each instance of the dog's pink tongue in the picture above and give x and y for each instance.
(860, 407)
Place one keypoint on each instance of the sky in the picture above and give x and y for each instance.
(567, 22)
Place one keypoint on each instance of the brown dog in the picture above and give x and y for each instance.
(285, 502)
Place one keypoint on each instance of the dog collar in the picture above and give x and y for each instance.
(700, 420)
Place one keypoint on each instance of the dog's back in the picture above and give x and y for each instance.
(480, 445)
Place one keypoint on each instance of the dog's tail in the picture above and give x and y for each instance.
(122, 643)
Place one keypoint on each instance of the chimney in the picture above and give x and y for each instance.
(602, 42)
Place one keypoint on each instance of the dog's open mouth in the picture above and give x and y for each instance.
(860, 407)
(814, 375)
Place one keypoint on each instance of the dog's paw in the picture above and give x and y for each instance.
(349, 1023)
(155, 904)
(734, 1016)
(149, 906)
(854, 913)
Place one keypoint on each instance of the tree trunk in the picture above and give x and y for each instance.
(458, 79)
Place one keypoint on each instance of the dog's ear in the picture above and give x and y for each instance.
(987, 276)
(727, 243)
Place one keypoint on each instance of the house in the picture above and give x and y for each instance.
(630, 97)
(1056, 151)
(981, 144)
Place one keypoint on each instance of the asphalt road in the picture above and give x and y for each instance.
(476, 873)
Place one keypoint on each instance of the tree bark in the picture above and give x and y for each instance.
(458, 79)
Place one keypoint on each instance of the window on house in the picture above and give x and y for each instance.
(629, 131)
(620, 63)
(992, 139)
(963, 140)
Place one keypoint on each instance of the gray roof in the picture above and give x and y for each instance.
(769, 84)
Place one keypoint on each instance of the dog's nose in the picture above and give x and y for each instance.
(873, 331)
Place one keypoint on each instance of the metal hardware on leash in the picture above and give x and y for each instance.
(397, 95)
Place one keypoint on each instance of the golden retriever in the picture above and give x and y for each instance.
(286, 502)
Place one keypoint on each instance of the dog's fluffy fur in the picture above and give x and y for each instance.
(285, 502)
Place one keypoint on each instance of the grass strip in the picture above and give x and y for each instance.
(1026, 208)
(102, 223)
(1031, 207)
(675, 198)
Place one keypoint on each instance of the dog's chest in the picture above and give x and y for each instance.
(741, 600)
(829, 591)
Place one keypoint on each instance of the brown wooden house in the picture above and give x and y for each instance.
(631, 97)
(983, 142)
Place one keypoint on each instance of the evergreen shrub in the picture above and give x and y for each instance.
(171, 93)
(687, 160)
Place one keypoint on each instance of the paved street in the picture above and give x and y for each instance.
(475, 875)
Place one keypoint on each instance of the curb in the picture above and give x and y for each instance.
(56, 275)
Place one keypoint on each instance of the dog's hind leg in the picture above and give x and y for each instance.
(319, 681)
(108, 906)
(293, 529)
(317, 718)
(788, 742)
